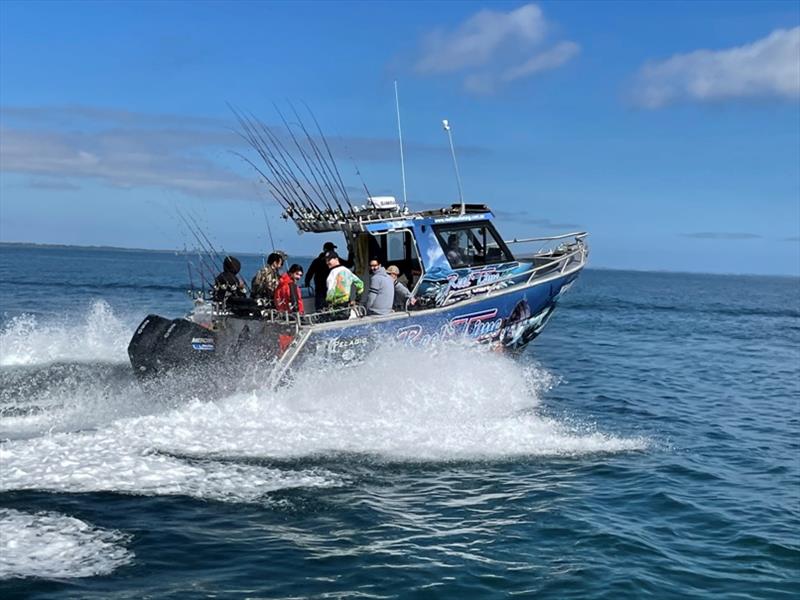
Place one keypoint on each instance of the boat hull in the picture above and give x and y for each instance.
(508, 318)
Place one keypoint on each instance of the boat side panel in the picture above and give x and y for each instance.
(511, 319)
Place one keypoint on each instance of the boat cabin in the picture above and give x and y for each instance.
(456, 247)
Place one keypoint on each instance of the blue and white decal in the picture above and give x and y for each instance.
(203, 344)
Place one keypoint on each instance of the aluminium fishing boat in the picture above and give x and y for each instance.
(467, 282)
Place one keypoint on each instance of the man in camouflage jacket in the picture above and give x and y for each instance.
(266, 280)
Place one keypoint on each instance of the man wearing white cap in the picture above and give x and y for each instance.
(401, 294)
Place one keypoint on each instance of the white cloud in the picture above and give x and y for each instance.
(60, 146)
(552, 58)
(766, 68)
(120, 159)
(491, 48)
(556, 56)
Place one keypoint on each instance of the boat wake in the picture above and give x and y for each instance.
(84, 427)
(449, 403)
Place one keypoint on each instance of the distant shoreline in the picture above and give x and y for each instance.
(38, 246)
(33, 245)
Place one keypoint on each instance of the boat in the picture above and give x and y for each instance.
(466, 281)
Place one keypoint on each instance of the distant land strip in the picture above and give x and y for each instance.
(110, 248)
(190, 253)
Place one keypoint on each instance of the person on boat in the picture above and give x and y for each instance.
(401, 294)
(455, 254)
(344, 287)
(318, 272)
(381, 290)
(266, 280)
(288, 297)
(228, 283)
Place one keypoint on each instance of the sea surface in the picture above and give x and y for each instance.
(646, 445)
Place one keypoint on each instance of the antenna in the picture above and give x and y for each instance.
(446, 126)
(400, 134)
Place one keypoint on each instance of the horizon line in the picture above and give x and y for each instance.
(101, 247)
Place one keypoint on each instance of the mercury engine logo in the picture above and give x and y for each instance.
(203, 343)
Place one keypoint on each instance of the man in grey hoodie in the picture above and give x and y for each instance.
(381, 290)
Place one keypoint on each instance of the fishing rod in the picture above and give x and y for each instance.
(282, 189)
(311, 167)
(269, 229)
(283, 157)
(189, 268)
(275, 155)
(278, 196)
(216, 254)
(334, 172)
(358, 172)
(202, 247)
(188, 261)
(301, 174)
(330, 155)
(288, 186)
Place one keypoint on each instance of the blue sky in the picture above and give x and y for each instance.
(670, 131)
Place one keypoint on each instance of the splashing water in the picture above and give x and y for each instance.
(452, 403)
(99, 336)
(50, 545)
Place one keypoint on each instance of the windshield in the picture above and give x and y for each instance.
(466, 245)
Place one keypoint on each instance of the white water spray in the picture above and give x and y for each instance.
(97, 336)
(443, 404)
(50, 545)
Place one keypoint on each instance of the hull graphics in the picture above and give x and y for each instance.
(510, 320)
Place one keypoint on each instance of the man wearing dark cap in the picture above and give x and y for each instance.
(318, 271)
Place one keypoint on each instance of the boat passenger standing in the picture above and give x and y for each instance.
(401, 293)
(228, 283)
(266, 280)
(381, 290)
(343, 286)
(288, 297)
(318, 271)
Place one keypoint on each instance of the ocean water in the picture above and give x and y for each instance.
(644, 446)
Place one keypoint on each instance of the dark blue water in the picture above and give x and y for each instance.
(646, 445)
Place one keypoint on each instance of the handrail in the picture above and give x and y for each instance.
(565, 259)
(578, 235)
(313, 318)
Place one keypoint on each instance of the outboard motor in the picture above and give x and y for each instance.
(161, 344)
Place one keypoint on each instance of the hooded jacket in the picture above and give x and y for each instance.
(228, 283)
(381, 293)
(287, 296)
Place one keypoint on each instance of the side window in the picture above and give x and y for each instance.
(395, 250)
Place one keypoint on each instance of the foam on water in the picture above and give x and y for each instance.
(51, 545)
(449, 403)
(97, 336)
(108, 460)
(69, 397)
